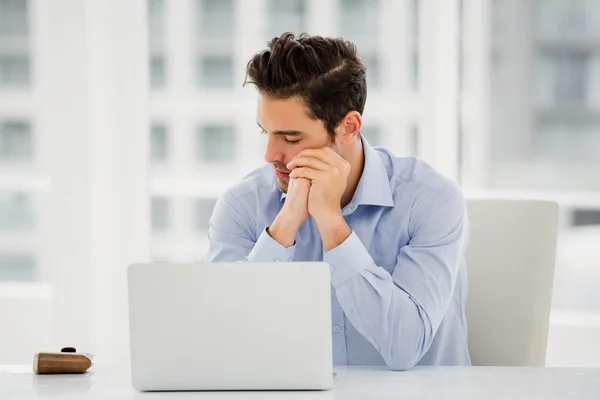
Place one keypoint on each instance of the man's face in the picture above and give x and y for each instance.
(289, 131)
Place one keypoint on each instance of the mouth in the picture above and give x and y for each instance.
(282, 175)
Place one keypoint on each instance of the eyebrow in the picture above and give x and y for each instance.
(283, 133)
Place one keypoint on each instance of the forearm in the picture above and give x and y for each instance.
(284, 230)
(379, 310)
(386, 316)
(232, 236)
(333, 228)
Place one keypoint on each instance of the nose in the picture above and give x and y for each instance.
(273, 152)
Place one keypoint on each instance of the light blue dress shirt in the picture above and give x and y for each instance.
(399, 281)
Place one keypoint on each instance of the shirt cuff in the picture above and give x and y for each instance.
(347, 260)
(268, 249)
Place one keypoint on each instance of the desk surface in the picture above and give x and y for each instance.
(17, 382)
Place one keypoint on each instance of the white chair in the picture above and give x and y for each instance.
(510, 262)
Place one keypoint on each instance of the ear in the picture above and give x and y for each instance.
(349, 128)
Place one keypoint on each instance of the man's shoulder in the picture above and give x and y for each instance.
(419, 187)
(413, 174)
(260, 181)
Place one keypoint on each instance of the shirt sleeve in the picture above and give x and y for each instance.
(232, 237)
(399, 313)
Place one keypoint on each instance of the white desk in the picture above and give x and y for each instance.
(351, 383)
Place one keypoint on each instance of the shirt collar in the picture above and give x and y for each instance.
(374, 185)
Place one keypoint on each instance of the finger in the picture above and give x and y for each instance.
(308, 173)
(298, 182)
(326, 155)
(319, 154)
(310, 162)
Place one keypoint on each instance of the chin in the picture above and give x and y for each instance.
(282, 184)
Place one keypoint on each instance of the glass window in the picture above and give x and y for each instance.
(216, 18)
(16, 211)
(567, 18)
(204, 210)
(216, 144)
(160, 209)
(158, 143)
(14, 71)
(157, 72)
(13, 17)
(216, 72)
(17, 267)
(414, 140)
(567, 142)
(286, 16)
(156, 20)
(15, 141)
(359, 17)
(542, 102)
(563, 78)
(372, 134)
(414, 45)
(373, 70)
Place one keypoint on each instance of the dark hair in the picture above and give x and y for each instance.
(326, 73)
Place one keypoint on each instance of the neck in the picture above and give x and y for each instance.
(356, 158)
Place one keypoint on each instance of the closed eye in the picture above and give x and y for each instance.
(290, 141)
(285, 139)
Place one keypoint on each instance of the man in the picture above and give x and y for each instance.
(393, 229)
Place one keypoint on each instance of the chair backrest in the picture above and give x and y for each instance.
(510, 262)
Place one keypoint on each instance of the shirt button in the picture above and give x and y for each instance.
(337, 328)
(332, 268)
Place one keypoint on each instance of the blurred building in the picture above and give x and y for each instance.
(17, 147)
(545, 94)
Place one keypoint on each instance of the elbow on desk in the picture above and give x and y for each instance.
(404, 358)
(401, 364)
(406, 352)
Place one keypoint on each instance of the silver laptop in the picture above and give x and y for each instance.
(230, 326)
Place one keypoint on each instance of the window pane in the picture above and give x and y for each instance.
(414, 140)
(543, 99)
(286, 16)
(13, 17)
(414, 45)
(571, 143)
(372, 134)
(15, 141)
(359, 17)
(217, 144)
(17, 267)
(160, 209)
(216, 18)
(16, 211)
(563, 78)
(14, 71)
(373, 70)
(568, 18)
(216, 72)
(204, 209)
(156, 20)
(158, 143)
(157, 72)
